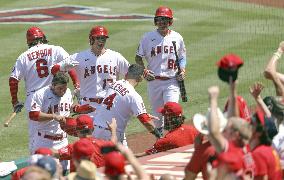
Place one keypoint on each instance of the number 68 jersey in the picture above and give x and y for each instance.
(159, 52)
(34, 65)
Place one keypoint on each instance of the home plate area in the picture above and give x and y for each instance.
(169, 162)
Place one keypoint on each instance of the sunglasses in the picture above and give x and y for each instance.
(161, 18)
(101, 38)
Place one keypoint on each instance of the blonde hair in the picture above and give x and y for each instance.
(43, 174)
(242, 126)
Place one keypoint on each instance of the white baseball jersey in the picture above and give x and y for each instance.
(34, 65)
(46, 101)
(121, 102)
(159, 52)
(96, 73)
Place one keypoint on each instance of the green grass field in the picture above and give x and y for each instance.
(210, 30)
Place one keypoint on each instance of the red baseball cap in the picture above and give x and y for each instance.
(114, 164)
(230, 61)
(83, 148)
(171, 107)
(44, 151)
(84, 121)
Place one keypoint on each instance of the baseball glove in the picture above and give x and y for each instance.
(70, 126)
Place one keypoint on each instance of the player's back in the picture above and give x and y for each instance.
(34, 65)
(120, 103)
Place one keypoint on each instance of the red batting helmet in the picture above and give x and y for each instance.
(98, 31)
(84, 121)
(33, 33)
(163, 11)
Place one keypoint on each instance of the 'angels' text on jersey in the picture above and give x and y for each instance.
(100, 69)
(165, 49)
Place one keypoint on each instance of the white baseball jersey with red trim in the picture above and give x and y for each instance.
(46, 101)
(121, 102)
(159, 52)
(34, 65)
(96, 73)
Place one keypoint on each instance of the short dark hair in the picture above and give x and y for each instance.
(60, 78)
(135, 71)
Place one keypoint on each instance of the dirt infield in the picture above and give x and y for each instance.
(141, 141)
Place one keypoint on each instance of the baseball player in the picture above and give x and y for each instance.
(178, 134)
(121, 102)
(47, 109)
(34, 67)
(96, 67)
(161, 73)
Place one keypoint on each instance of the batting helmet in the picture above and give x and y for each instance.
(33, 34)
(163, 11)
(98, 31)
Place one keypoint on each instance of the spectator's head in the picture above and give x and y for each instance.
(82, 149)
(238, 130)
(59, 83)
(44, 151)
(276, 107)
(36, 173)
(228, 66)
(87, 170)
(48, 163)
(200, 121)
(85, 125)
(114, 164)
(135, 71)
(260, 133)
(173, 115)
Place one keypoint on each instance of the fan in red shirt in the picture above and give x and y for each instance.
(238, 132)
(88, 146)
(267, 162)
(178, 134)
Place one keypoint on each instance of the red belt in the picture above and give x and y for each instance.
(96, 100)
(163, 78)
(56, 137)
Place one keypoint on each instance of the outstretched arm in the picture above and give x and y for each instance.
(216, 137)
(146, 120)
(255, 91)
(271, 73)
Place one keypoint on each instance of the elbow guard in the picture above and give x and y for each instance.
(13, 83)
(72, 73)
(144, 118)
(34, 115)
